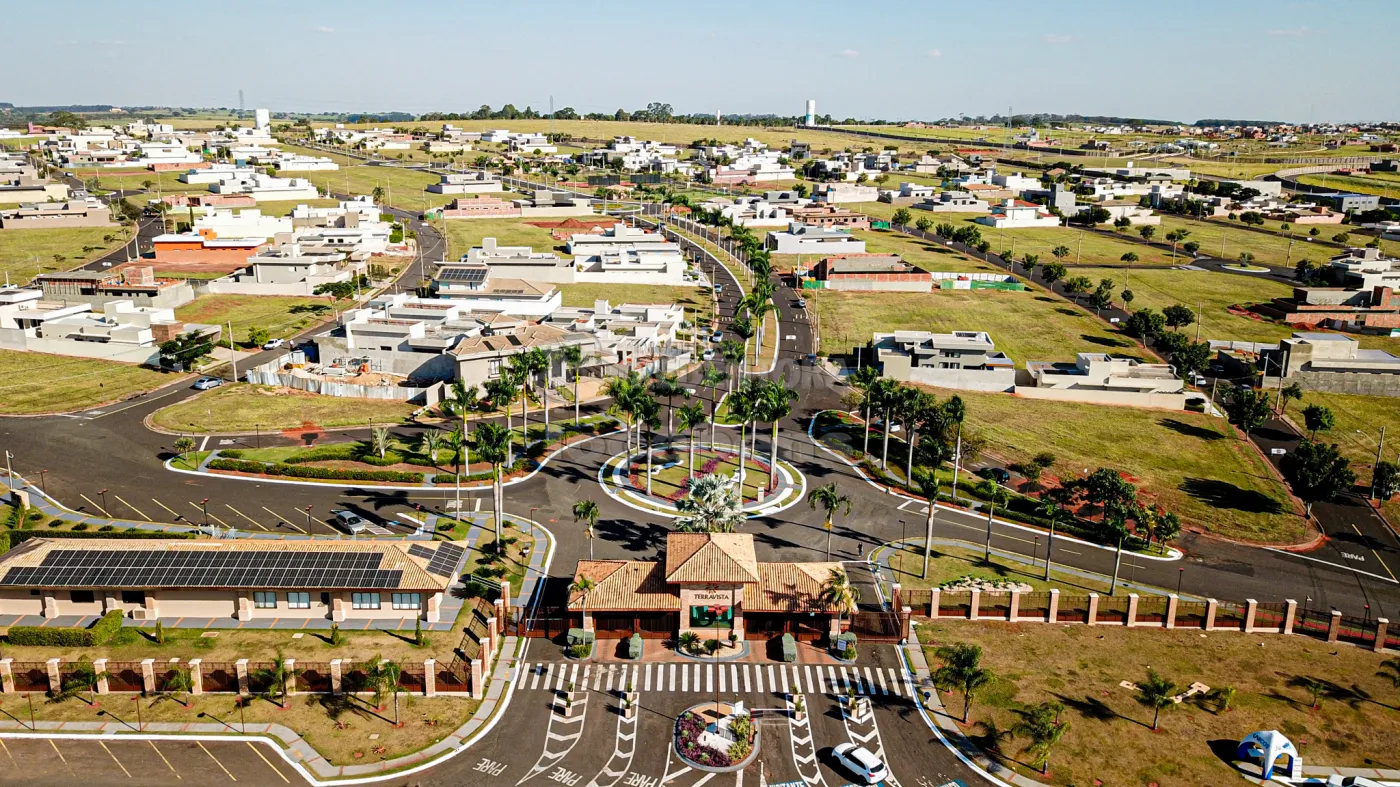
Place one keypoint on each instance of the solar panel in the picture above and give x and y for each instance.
(418, 550)
(466, 275)
(445, 561)
(139, 568)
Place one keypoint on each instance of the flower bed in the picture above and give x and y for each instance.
(323, 473)
(688, 729)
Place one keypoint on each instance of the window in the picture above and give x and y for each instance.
(364, 600)
(264, 599)
(134, 597)
(81, 596)
(299, 601)
(406, 601)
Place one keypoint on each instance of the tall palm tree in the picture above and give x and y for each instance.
(928, 485)
(573, 358)
(502, 392)
(1156, 693)
(917, 408)
(524, 367)
(962, 669)
(742, 405)
(864, 380)
(625, 391)
(887, 398)
(1054, 513)
(829, 499)
(492, 444)
(954, 413)
(775, 404)
(838, 592)
(429, 443)
(743, 327)
(586, 511)
(648, 412)
(583, 586)
(692, 418)
(710, 378)
(460, 401)
(733, 354)
(668, 387)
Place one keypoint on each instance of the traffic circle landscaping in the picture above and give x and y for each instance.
(624, 477)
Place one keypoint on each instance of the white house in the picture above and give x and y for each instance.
(1015, 214)
(157, 153)
(215, 173)
(288, 269)
(246, 223)
(471, 286)
(1105, 379)
(466, 183)
(844, 192)
(297, 163)
(263, 187)
(121, 331)
(624, 254)
(805, 239)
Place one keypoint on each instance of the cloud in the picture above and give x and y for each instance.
(325, 30)
(1057, 39)
(935, 53)
(1296, 32)
(849, 54)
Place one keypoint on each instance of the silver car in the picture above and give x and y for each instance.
(353, 523)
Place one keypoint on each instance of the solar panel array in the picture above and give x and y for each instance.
(444, 563)
(418, 550)
(143, 568)
(467, 275)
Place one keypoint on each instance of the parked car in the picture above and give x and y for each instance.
(205, 383)
(861, 762)
(708, 355)
(997, 474)
(801, 303)
(352, 522)
(274, 344)
(718, 336)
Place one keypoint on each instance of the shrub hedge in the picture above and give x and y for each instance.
(97, 635)
(329, 473)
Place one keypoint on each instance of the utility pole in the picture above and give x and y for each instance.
(1199, 307)
(1379, 449)
(232, 353)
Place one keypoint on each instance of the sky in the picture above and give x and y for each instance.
(1310, 60)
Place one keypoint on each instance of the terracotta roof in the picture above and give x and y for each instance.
(625, 584)
(710, 557)
(790, 587)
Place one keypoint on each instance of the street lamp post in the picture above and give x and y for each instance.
(901, 540)
(530, 523)
(308, 519)
(204, 504)
(103, 495)
(42, 483)
(1180, 574)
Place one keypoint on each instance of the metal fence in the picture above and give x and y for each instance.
(219, 677)
(30, 675)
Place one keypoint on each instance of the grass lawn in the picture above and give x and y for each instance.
(921, 253)
(1213, 291)
(462, 234)
(1025, 325)
(1196, 468)
(668, 483)
(1358, 423)
(1383, 183)
(241, 408)
(403, 188)
(513, 560)
(1081, 667)
(1225, 167)
(33, 383)
(284, 207)
(948, 564)
(25, 254)
(281, 316)
(1268, 249)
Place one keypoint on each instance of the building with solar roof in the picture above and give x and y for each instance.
(236, 580)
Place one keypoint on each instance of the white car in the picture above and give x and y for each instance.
(274, 344)
(861, 762)
(708, 355)
(205, 383)
(350, 521)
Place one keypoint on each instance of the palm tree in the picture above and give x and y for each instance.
(775, 404)
(179, 680)
(460, 400)
(962, 669)
(743, 405)
(733, 354)
(523, 369)
(954, 412)
(456, 442)
(692, 418)
(583, 586)
(1040, 726)
(84, 677)
(379, 439)
(183, 446)
(492, 444)
(625, 391)
(275, 678)
(838, 592)
(384, 676)
(573, 358)
(928, 486)
(668, 386)
(887, 397)
(586, 511)
(828, 497)
(429, 443)
(920, 409)
(1156, 693)
(864, 380)
(1054, 513)
(648, 412)
(711, 378)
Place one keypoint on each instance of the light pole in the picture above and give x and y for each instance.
(1180, 573)
(308, 519)
(103, 495)
(204, 504)
(530, 523)
(42, 483)
(901, 541)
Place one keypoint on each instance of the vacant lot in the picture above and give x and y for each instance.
(1081, 668)
(281, 316)
(242, 408)
(1195, 467)
(948, 564)
(462, 234)
(403, 188)
(1025, 325)
(284, 207)
(1226, 240)
(1383, 183)
(34, 383)
(1213, 291)
(1359, 420)
(925, 254)
(25, 254)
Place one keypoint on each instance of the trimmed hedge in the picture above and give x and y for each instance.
(99, 634)
(327, 473)
(15, 538)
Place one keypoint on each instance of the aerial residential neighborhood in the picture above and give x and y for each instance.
(968, 396)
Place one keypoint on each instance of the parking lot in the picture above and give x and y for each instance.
(114, 761)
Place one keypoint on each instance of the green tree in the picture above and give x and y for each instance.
(183, 446)
(1053, 272)
(774, 403)
(258, 336)
(380, 439)
(1156, 693)
(838, 593)
(1039, 726)
(179, 680)
(1060, 252)
(1191, 247)
(829, 499)
(1127, 296)
(586, 511)
(668, 387)
(692, 417)
(83, 676)
(1318, 418)
(1147, 232)
(573, 359)
(1317, 472)
(383, 676)
(1293, 392)
(429, 443)
(711, 378)
(962, 670)
(923, 224)
(1247, 408)
(492, 444)
(275, 678)
(1129, 257)
(1174, 237)
(1178, 316)
(901, 217)
(1385, 480)
(1145, 324)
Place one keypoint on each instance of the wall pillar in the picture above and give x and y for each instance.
(896, 599)
(1015, 609)
(245, 607)
(738, 625)
(335, 676)
(1093, 609)
(50, 603)
(152, 606)
(7, 675)
(478, 679)
(833, 627)
(290, 681)
(99, 666)
(1289, 616)
(55, 677)
(433, 613)
(148, 676)
(505, 592)
(197, 676)
(1211, 604)
(338, 607)
(240, 668)
(109, 603)
(1381, 625)
(1131, 618)
(429, 678)
(587, 621)
(1251, 609)
(975, 601)
(493, 636)
(1334, 626)
(1054, 611)
(905, 614)
(934, 597)
(1172, 602)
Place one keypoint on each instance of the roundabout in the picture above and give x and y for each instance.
(624, 477)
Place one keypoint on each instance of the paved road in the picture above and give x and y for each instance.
(44, 762)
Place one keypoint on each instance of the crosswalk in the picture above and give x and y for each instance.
(709, 678)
